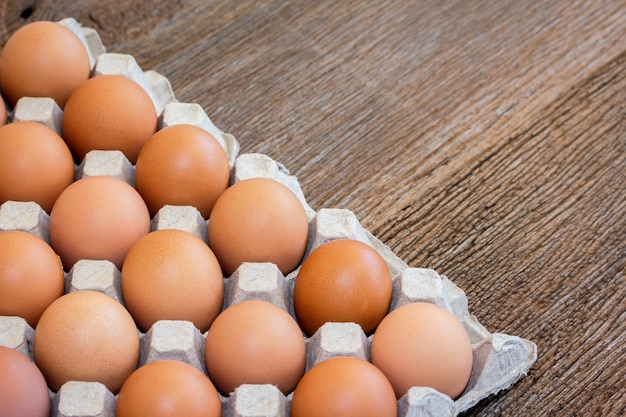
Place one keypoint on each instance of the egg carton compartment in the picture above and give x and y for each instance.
(499, 360)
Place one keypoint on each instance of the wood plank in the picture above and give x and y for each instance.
(549, 225)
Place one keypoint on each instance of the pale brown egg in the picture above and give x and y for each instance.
(422, 344)
(23, 389)
(97, 218)
(258, 220)
(168, 388)
(171, 274)
(344, 386)
(182, 165)
(108, 112)
(43, 59)
(255, 342)
(86, 336)
(35, 164)
(31, 276)
(343, 280)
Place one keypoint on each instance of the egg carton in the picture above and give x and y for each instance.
(499, 360)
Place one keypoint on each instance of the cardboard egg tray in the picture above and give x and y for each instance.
(499, 360)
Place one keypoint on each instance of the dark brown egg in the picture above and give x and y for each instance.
(344, 280)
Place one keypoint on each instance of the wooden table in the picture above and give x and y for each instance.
(486, 140)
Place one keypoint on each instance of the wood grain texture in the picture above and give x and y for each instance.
(486, 140)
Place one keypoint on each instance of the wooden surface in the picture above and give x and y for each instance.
(486, 140)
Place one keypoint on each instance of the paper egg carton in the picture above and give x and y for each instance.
(499, 360)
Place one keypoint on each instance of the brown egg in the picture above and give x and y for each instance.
(86, 336)
(170, 274)
(422, 344)
(255, 342)
(182, 165)
(258, 220)
(23, 387)
(35, 164)
(109, 112)
(31, 276)
(3, 113)
(168, 388)
(344, 386)
(43, 59)
(343, 280)
(97, 217)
